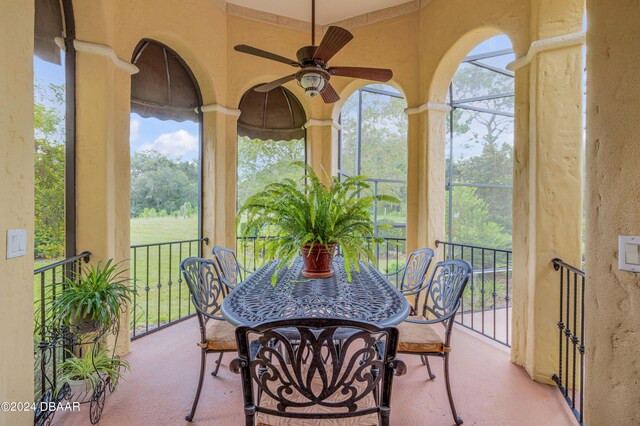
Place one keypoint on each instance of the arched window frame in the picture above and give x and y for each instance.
(463, 104)
(393, 245)
(200, 120)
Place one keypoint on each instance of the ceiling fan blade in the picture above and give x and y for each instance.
(264, 54)
(329, 94)
(276, 83)
(376, 74)
(334, 39)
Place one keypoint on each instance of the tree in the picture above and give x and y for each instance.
(49, 163)
(383, 153)
(472, 221)
(483, 152)
(263, 162)
(160, 183)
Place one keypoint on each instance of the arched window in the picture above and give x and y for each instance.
(165, 144)
(166, 184)
(479, 148)
(479, 177)
(54, 122)
(373, 143)
(271, 136)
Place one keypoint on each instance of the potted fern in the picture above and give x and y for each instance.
(95, 299)
(313, 219)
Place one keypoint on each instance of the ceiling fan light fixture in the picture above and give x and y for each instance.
(313, 83)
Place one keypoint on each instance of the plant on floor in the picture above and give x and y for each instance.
(313, 217)
(84, 373)
(96, 297)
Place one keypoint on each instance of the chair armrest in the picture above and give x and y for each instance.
(205, 313)
(398, 366)
(226, 283)
(237, 364)
(390, 274)
(245, 272)
(442, 319)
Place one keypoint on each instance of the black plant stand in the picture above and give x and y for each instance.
(59, 341)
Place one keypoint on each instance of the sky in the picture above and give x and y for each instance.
(178, 140)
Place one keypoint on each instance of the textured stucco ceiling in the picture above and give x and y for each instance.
(327, 11)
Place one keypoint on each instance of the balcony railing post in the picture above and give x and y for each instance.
(50, 345)
(571, 333)
(158, 311)
(488, 262)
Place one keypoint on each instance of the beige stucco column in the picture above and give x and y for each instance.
(219, 164)
(612, 311)
(547, 197)
(425, 175)
(103, 171)
(321, 150)
(16, 209)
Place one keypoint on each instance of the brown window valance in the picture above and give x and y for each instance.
(49, 24)
(164, 88)
(276, 115)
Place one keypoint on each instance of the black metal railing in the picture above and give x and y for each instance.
(161, 297)
(486, 303)
(48, 282)
(390, 254)
(570, 375)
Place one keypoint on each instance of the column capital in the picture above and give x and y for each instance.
(100, 50)
(428, 106)
(233, 112)
(315, 122)
(542, 45)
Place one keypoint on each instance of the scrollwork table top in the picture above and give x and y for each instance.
(368, 297)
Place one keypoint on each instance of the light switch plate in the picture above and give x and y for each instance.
(16, 243)
(629, 253)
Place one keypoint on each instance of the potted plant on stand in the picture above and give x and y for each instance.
(95, 299)
(84, 374)
(89, 307)
(313, 219)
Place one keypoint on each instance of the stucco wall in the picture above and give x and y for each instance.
(16, 209)
(423, 48)
(613, 149)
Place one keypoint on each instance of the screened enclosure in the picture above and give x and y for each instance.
(373, 143)
(479, 148)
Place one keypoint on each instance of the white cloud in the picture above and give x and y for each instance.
(134, 130)
(174, 144)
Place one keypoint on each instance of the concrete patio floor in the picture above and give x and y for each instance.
(488, 389)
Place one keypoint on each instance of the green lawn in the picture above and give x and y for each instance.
(157, 281)
(162, 295)
(163, 229)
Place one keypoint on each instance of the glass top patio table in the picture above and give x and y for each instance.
(368, 297)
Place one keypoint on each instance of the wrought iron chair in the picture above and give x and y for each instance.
(414, 273)
(414, 270)
(228, 263)
(304, 379)
(418, 335)
(207, 287)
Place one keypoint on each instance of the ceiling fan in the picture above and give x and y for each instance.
(313, 61)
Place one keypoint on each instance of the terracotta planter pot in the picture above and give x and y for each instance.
(317, 261)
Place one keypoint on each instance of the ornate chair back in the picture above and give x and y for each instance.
(229, 266)
(206, 285)
(444, 290)
(415, 270)
(317, 368)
